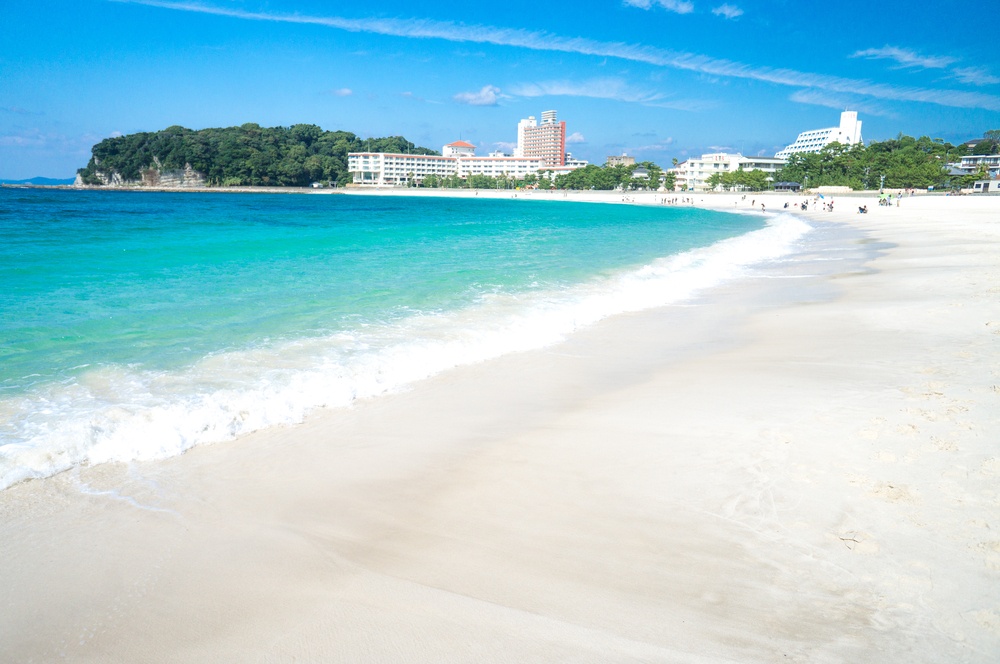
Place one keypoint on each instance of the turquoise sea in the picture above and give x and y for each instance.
(134, 325)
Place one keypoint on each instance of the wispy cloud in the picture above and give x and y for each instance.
(576, 137)
(908, 59)
(489, 95)
(975, 75)
(659, 146)
(839, 102)
(598, 88)
(607, 88)
(37, 140)
(409, 95)
(677, 6)
(905, 57)
(17, 110)
(342, 92)
(543, 41)
(727, 10)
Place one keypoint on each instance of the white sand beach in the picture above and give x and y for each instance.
(801, 466)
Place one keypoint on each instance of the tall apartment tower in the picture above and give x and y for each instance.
(545, 141)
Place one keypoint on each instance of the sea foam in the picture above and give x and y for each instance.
(120, 413)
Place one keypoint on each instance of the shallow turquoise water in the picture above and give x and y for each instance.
(130, 317)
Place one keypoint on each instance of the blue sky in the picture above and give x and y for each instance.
(658, 79)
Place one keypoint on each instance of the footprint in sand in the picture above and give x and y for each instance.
(990, 467)
(894, 493)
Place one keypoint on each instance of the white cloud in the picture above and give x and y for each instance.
(905, 57)
(488, 96)
(678, 6)
(599, 88)
(505, 146)
(544, 41)
(342, 92)
(575, 137)
(727, 10)
(975, 75)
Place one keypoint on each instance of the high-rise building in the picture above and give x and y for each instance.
(545, 141)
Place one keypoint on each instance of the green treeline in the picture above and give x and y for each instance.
(613, 177)
(248, 155)
(904, 162)
(755, 180)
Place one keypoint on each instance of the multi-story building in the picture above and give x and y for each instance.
(385, 169)
(546, 141)
(693, 174)
(814, 140)
(622, 160)
(541, 148)
(458, 158)
(970, 164)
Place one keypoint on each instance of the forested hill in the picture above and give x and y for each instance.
(248, 155)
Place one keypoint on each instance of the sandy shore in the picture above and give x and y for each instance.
(803, 466)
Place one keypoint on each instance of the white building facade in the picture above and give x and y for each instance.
(814, 140)
(541, 148)
(458, 158)
(970, 164)
(693, 174)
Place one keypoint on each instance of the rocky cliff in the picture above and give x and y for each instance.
(155, 176)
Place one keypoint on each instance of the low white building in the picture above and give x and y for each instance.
(693, 174)
(814, 140)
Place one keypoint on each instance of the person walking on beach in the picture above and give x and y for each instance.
(762, 208)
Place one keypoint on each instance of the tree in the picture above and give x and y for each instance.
(244, 155)
(904, 162)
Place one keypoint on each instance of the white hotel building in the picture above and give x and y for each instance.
(814, 140)
(540, 148)
(693, 174)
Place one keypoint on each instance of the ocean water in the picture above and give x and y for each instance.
(137, 325)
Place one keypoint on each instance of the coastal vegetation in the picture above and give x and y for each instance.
(619, 176)
(248, 155)
(251, 155)
(902, 162)
(755, 180)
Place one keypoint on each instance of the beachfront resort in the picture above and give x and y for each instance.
(540, 154)
(541, 148)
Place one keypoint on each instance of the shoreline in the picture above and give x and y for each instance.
(796, 465)
(591, 196)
